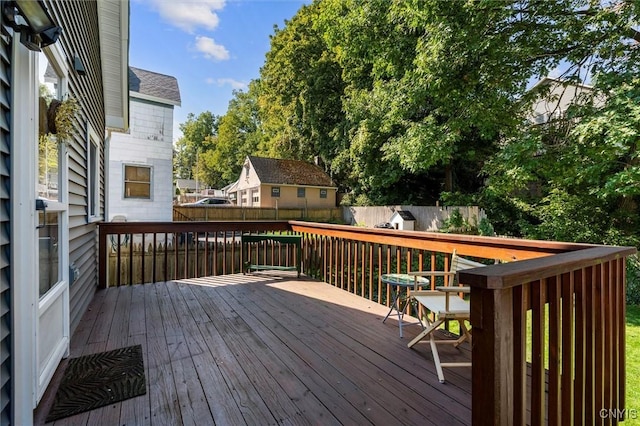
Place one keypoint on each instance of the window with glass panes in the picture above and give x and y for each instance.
(137, 182)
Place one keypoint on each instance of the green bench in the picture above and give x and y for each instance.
(295, 240)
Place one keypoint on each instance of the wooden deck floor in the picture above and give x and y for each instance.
(265, 349)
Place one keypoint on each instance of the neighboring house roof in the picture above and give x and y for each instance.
(289, 172)
(154, 86)
(185, 184)
(555, 96)
(231, 187)
(547, 81)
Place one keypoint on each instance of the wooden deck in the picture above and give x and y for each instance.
(266, 349)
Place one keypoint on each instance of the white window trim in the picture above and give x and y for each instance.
(93, 139)
(124, 176)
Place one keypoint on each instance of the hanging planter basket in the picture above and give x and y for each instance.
(60, 115)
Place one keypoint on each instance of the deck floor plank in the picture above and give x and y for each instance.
(259, 363)
(318, 385)
(165, 408)
(191, 395)
(351, 354)
(137, 411)
(358, 332)
(218, 337)
(345, 361)
(266, 348)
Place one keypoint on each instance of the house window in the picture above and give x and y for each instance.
(93, 166)
(323, 193)
(275, 191)
(137, 182)
(255, 196)
(301, 192)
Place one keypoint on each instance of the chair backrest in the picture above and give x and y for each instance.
(460, 263)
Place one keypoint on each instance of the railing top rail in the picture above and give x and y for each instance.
(506, 275)
(506, 249)
(195, 226)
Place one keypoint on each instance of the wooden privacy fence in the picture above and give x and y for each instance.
(572, 293)
(197, 213)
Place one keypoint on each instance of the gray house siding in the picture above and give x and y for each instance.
(79, 20)
(5, 225)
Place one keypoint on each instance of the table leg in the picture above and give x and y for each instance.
(395, 304)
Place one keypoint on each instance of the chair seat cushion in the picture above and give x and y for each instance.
(436, 303)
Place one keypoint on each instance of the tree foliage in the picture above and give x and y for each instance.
(422, 100)
(198, 136)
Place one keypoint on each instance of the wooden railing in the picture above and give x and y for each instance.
(577, 299)
(148, 252)
(572, 293)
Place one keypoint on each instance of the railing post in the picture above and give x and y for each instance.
(102, 257)
(492, 371)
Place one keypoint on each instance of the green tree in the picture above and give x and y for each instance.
(239, 135)
(301, 88)
(198, 136)
(413, 129)
(576, 178)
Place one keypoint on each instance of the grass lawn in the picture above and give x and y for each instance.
(633, 362)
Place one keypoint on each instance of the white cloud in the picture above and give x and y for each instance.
(190, 15)
(235, 84)
(210, 49)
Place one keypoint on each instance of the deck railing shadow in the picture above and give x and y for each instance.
(582, 287)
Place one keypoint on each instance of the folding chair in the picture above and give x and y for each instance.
(445, 305)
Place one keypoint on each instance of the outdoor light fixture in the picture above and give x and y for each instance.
(78, 66)
(32, 20)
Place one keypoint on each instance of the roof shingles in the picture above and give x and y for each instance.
(289, 172)
(153, 84)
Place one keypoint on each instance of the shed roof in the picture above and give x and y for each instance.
(289, 172)
(404, 215)
(153, 84)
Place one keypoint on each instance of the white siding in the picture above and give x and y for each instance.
(149, 143)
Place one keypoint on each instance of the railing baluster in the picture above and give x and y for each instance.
(142, 255)
(379, 299)
(119, 269)
(599, 340)
(554, 349)
(608, 334)
(356, 250)
(621, 307)
(520, 295)
(580, 345)
(371, 270)
(568, 323)
(224, 254)
(537, 354)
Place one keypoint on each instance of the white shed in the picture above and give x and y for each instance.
(403, 219)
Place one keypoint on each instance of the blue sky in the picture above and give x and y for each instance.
(211, 46)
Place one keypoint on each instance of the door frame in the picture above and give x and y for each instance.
(26, 301)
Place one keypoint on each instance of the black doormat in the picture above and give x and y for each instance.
(97, 380)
